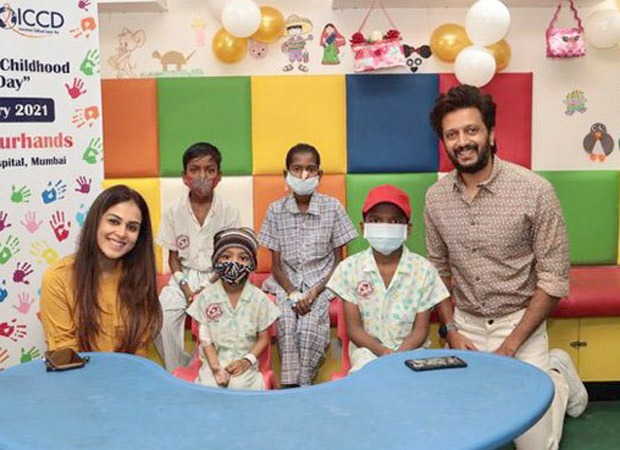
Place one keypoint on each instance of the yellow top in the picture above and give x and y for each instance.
(58, 310)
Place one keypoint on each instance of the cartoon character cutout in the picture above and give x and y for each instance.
(598, 143)
(297, 30)
(331, 41)
(575, 101)
(416, 55)
(257, 50)
(172, 58)
(122, 61)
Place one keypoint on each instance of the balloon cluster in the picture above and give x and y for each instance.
(479, 50)
(241, 20)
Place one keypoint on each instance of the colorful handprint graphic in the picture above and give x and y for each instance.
(21, 195)
(93, 153)
(76, 89)
(90, 64)
(54, 192)
(4, 223)
(22, 272)
(85, 116)
(25, 301)
(83, 184)
(30, 222)
(43, 252)
(59, 226)
(10, 248)
(12, 330)
(29, 355)
(3, 292)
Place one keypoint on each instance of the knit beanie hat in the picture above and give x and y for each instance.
(243, 238)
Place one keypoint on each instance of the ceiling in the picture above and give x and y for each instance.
(352, 4)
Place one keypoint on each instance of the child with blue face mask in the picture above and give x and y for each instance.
(233, 315)
(306, 232)
(388, 291)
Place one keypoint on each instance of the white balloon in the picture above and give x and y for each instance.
(474, 65)
(241, 18)
(487, 22)
(216, 7)
(602, 28)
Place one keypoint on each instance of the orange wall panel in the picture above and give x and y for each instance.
(130, 139)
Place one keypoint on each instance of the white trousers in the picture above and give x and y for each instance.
(488, 334)
(170, 343)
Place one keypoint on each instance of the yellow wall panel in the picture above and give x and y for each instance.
(287, 110)
(599, 360)
(149, 189)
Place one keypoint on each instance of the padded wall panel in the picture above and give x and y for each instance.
(215, 110)
(149, 189)
(130, 128)
(590, 204)
(293, 109)
(238, 191)
(415, 184)
(387, 123)
(269, 188)
(512, 93)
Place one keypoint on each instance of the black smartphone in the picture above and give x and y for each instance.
(441, 362)
(64, 358)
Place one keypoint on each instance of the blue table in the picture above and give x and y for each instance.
(126, 402)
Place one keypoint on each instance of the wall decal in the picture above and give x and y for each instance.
(575, 101)
(257, 50)
(416, 56)
(331, 41)
(198, 25)
(295, 45)
(172, 58)
(598, 143)
(122, 61)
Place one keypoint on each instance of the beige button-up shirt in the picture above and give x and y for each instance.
(500, 246)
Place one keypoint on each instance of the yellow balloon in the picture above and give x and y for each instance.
(271, 26)
(228, 48)
(448, 40)
(501, 52)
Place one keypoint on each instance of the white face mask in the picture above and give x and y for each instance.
(385, 237)
(302, 187)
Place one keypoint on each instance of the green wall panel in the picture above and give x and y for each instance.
(589, 201)
(414, 184)
(215, 110)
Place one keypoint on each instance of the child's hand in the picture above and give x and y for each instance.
(303, 306)
(238, 367)
(222, 377)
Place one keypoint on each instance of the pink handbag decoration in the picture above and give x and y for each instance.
(565, 42)
(377, 51)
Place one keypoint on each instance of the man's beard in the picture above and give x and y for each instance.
(481, 163)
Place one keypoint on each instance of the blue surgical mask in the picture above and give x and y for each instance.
(385, 237)
(300, 186)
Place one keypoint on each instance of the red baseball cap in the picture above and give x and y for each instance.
(387, 193)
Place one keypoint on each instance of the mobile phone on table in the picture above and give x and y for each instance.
(439, 362)
(64, 358)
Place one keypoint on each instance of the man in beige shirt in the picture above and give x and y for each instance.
(496, 234)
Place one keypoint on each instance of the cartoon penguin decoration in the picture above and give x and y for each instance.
(597, 143)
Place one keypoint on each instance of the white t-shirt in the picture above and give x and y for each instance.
(181, 232)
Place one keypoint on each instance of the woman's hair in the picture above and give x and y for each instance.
(137, 291)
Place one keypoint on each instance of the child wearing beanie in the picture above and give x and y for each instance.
(233, 315)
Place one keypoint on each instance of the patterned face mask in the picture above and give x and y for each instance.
(232, 272)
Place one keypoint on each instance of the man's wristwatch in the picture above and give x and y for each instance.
(447, 328)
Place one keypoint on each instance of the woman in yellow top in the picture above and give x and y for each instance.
(104, 297)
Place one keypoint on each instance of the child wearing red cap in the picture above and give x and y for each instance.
(388, 291)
